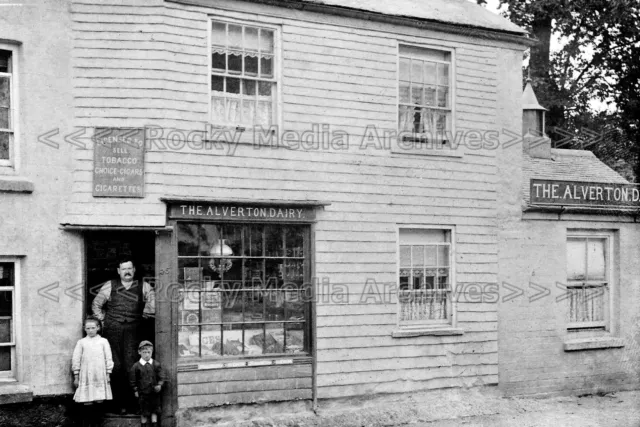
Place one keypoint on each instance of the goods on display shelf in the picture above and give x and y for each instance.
(255, 340)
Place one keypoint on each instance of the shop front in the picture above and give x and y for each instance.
(240, 302)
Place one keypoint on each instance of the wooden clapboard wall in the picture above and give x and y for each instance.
(145, 63)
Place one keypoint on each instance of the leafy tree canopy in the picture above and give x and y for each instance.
(597, 65)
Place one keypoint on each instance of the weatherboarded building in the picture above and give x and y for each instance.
(326, 195)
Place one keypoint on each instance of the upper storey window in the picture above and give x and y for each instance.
(243, 74)
(425, 93)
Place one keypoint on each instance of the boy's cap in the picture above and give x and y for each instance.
(145, 344)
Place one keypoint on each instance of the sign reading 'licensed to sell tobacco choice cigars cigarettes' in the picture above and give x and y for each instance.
(118, 162)
(584, 194)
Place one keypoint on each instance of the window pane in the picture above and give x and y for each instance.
(295, 337)
(405, 69)
(218, 33)
(404, 92)
(186, 269)
(5, 329)
(187, 239)
(596, 259)
(235, 62)
(416, 71)
(233, 85)
(576, 261)
(417, 256)
(5, 143)
(275, 338)
(6, 274)
(251, 38)
(405, 256)
(266, 41)
(429, 95)
(417, 94)
(274, 243)
(294, 241)
(443, 256)
(218, 110)
(294, 271)
(5, 102)
(417, 278)
(251, 65)
(431, 254)
(264, 89)
(255, 339)
(5, 358)
(232, 234)
(248, 111)
(264, 115)
(232, 306)
(218, 61)
(430, 73)
(266, 66)
(443, 96)
(249, 87)
(274, 303)
(441, 124)
(253, 240)
(586, 304)
(405, 119)
(235, 36)
(443, 74)
(217, 83)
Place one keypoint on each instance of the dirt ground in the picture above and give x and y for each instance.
(443, 408)
(620, 409)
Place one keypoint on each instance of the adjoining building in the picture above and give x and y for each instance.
(574, 329)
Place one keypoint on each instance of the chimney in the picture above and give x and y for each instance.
(535, 142)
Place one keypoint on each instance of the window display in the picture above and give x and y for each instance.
(243, 289)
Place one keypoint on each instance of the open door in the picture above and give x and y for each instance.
(104, 250)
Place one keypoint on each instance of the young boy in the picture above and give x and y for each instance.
(146, 378)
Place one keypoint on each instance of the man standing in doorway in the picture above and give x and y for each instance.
(121, 304)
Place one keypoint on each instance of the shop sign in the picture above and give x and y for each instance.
(241, 212)
(118, 162)
(585, 194)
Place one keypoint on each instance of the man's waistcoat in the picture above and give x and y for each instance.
(125, 305)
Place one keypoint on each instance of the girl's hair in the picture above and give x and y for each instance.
(93, 319)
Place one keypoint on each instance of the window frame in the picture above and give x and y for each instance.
(14, 115)
(439, 146)
(277, 77)
(607, 324)
(12, 375)
(189, 291)
(451, 321)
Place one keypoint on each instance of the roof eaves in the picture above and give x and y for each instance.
(486, 33)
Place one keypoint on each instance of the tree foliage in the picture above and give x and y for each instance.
(597, 64)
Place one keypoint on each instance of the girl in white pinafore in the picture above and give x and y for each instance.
(92, 364)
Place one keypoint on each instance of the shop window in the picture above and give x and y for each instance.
(425, 277)
(7, 320)
(424, 99)
(7, 105)
(244, 289)
(588, 281)
(243, 74)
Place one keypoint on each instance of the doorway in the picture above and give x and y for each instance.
(104, 249)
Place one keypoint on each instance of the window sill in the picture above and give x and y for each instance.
(426, 151)
(593, 343)
(410, 333)
(14, 392)
(13, 184)
(247, 362)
